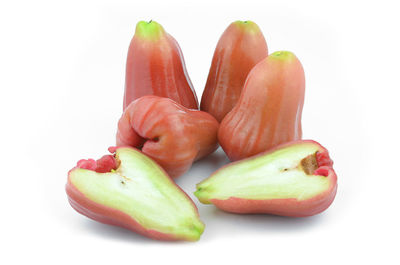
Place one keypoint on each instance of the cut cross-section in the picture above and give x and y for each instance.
(294, 179)
(137, 195)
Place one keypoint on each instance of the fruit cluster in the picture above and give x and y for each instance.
(251, 106)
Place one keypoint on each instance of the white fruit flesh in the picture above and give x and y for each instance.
(139, 188)
(277, 175)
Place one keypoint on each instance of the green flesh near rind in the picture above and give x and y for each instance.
(277, 175)
(139, 188)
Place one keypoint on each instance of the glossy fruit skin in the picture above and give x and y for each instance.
(155, 66)
(269, 109)
(169, 133)
(287, 207)
(240, 48)
(108, 215)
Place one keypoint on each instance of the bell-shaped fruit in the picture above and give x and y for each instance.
(295, 179)
(155, 66)
(130, 190)
(240, 48)
(169, 133)
(268, 112)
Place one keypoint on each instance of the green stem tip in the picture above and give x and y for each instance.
(282, 55)
(150, 30)
(247, 25)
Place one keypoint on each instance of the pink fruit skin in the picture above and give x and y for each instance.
(167, 132)
(288, 207)
(269, 109)
(110, 216)
(240, 48)
(158, 68)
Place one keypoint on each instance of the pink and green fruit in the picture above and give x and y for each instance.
(130, 190)
(294, 179)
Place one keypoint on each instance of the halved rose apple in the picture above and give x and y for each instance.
(131, 190)
(294, 179)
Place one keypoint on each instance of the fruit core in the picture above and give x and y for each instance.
(309, 164)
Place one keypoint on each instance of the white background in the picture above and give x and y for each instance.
(62, 78)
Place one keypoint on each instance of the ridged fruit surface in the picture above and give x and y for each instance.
(240, 48)
(169, 133)
(269, 109)
(155, 66)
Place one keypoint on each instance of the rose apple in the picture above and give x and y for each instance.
(269, 109)
(294, 179)
(130, 190)
(240, 48)
(155, 66)
(169, 133)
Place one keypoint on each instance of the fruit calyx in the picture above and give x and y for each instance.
(312, 164)
(106, 163)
